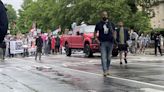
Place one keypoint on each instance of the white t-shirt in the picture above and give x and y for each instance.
(133, 35)
(142, 40)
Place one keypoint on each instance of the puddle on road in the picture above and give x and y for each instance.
(59, 74)
(55, 72)
(92, 91)
(43, 68)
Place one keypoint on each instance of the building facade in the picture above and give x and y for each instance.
(158, 20)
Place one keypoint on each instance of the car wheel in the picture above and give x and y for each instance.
(68, 50)
(88, 51)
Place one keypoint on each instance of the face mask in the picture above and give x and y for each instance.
(104, 18)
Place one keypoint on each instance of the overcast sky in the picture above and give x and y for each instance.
(16, 3)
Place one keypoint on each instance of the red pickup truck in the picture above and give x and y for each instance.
(81, 38)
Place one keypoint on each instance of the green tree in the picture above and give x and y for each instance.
(50, 14)
(42, 12)
(25, 16)
(145, 5)
(11, 13)
(12, 16)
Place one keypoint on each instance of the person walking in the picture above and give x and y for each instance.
(107, 35)
(53, 44)
(134, 38)
(122, 38)
(44, 37)
(25, 46)
(157, 43)
(3, 28)
(148, 41)
(161, 41)
(39, 45)
(142, 43)
(49, 45)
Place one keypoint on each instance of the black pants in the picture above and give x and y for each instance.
(38, 52)
(4, 52)
(36, 55)
(25, 52)
(57, 47)
(53, 51)
(159, 48)
(10, 55)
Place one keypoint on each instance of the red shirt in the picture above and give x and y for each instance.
(53, 43)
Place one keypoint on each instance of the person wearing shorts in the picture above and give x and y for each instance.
(122, 38)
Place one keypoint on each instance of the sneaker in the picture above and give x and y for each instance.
(108, 74)
(125, 61)
(120, 63)
(105, 74)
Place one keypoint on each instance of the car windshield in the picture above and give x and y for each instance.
(89, 29)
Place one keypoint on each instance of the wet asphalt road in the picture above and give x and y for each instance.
(58, 73)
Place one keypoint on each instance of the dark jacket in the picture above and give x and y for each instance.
(102, 36)
(126, 35)
(3, 22)
(39, 42)
(157, 40)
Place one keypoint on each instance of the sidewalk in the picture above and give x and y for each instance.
(150, 51)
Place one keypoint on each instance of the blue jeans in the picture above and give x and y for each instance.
(106, 50)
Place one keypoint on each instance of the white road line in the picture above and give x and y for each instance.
(150, 90)
(123, 79)
(146, 65)
(113, 63)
